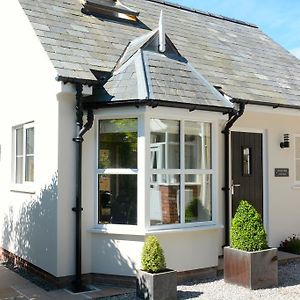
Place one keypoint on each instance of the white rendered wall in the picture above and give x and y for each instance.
(282, 201)
(28, 221)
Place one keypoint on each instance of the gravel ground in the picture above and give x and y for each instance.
(288, 288)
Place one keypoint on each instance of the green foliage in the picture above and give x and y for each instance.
(153, 259)
(191, 212)
(291, 245)
(247, 231)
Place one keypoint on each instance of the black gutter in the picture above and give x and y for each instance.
(262, 103)
(227, 187)
(90, 102)
(81, 130)
(89, 82)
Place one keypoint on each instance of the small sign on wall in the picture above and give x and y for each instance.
(282, 172)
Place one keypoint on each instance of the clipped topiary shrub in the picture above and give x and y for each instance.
(247, 231)
(153, 259)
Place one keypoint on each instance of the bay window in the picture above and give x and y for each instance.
(179, 163)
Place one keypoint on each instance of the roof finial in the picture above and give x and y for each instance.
(162, 33)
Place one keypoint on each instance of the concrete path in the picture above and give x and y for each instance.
(14, 286)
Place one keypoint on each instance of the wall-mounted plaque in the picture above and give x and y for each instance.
(282, 172)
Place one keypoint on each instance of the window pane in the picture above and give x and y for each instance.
(118, 144)
(19, 141)
(164, 199)
(19, 170)
(117, 199)
(164, 144)
(298, 169)
(197, 198)
(29, 168)
(246, 154)
(30, 141)
(197, 145)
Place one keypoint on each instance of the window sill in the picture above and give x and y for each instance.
(118, 229)
(26, 189)
(205, 227)
(134, 230)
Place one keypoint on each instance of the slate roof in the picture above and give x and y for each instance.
(228, 53)
(144, 73)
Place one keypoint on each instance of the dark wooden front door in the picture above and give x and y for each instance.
(247, 169)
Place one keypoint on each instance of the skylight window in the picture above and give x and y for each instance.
(109, 8)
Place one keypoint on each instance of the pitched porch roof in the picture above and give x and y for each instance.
(143, 73)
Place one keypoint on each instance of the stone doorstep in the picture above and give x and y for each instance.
(285, 257)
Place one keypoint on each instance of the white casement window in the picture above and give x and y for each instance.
(117, 171)
(181, 172)
(297, 158)
(23, 154)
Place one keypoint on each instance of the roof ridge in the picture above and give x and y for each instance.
(198, 11)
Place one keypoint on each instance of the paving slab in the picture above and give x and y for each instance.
(14, 286)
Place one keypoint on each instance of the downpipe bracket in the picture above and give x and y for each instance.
(75, 209)
(78, 139)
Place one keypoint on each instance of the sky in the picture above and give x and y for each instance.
(280, 19)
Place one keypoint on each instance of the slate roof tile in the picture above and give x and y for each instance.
(241, 58)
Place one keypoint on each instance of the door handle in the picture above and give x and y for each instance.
(233, 186)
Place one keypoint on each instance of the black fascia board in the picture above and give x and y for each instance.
(154, 103)
(89, 82)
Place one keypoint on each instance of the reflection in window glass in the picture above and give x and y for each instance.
(118, 143)
(198, 198)
(117, 199)
(164, 199)
(164, 141)
(197, 145)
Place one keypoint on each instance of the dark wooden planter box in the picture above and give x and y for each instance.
(253, 270)
(158, 286)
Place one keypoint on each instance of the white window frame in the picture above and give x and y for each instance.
(296, 136)
(144, 114)
(182, 172)
(116, 228)
(24, 185)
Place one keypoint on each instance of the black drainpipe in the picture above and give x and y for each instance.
(81, 130)
(227, 187)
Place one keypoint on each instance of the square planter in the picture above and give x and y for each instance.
(253, 270)
(156, 286)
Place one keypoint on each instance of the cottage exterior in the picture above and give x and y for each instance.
(182, 119)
